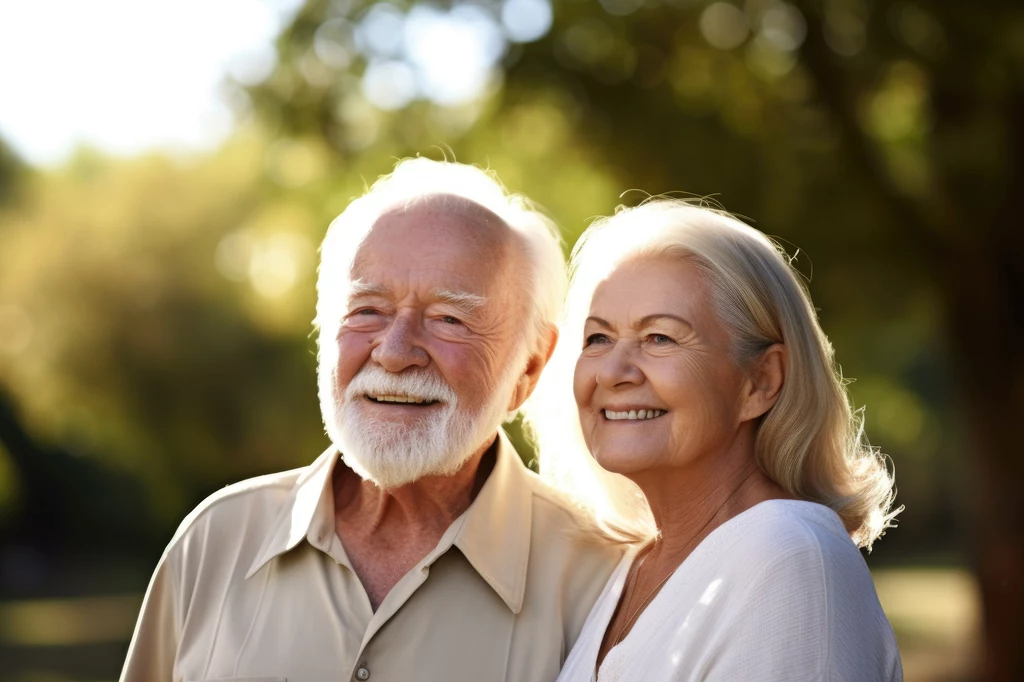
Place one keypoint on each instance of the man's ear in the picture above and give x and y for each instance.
(535, 364)
(766, 376)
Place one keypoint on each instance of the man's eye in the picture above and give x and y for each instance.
(363, 314)
(448, 319)
(595, 338)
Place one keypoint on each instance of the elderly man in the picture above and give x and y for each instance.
(418, 547)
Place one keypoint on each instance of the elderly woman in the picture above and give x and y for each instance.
(722, 442)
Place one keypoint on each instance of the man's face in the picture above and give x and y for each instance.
(427, 346)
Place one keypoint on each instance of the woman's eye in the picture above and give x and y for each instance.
(659, 338)
(595, 338)
(448, 319)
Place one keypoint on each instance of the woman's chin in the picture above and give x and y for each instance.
(624, 463)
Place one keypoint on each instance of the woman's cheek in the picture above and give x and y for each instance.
(583, 383)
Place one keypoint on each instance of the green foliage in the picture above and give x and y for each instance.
(133, 347)
(11, 170)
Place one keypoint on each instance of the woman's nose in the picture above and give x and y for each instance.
(399, 346)
(619, 366)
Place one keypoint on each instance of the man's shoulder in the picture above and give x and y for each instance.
(570, 558)
(251, 502)
(559, 521)
(555, 507)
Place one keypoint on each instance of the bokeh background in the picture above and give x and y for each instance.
(168, 168)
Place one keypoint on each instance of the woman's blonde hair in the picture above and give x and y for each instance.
(810, 442)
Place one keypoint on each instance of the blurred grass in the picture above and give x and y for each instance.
(936, 615)
(934, 611)
(68, 622)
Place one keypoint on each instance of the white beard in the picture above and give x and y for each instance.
(393, 454)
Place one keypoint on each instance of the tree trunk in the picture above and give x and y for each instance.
(985, 299)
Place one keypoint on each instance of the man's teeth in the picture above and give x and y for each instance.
(399, 399)
(633, 414)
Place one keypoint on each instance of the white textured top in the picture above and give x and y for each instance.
(778, 593)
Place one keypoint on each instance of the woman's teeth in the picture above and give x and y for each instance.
(633, 414)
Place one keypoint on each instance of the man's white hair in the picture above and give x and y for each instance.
(448, 185)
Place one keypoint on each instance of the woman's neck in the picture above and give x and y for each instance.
(692, 501)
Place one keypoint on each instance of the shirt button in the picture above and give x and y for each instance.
(363, 673)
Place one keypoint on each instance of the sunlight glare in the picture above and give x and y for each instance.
(526, 20)
(454, 53)
(127, 75)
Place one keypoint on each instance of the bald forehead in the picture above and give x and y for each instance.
(446, 243)
(452, 208)
(454, 205)
(448, 221)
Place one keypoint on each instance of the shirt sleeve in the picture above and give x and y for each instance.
(810, 613)
(154, 644)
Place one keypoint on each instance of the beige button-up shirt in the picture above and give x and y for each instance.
(256, 585)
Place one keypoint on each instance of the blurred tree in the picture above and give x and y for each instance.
(63, 498)
(885, 137)
(12, 169)
(155, 318)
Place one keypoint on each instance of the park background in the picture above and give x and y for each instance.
(156, 297)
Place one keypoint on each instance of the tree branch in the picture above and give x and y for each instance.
(928, 230)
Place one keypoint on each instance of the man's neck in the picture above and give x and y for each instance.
(385, 533)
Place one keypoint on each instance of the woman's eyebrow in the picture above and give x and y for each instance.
(598, 321)
(649, 319)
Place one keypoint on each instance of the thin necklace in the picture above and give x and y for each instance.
(625, 626)
(636, 574)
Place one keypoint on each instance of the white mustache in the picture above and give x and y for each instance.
(419, 384)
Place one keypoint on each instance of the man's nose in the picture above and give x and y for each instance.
(619, 366)
(399, 346)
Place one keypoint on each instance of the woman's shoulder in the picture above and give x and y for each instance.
(793, 557)
(795, 529)
(792, 564)
(786, 545)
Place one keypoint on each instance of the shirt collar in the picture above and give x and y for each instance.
(495, 537)
(493, 533)
(299, 517)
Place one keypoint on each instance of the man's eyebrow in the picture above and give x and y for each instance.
(463, 300)
(360, 288)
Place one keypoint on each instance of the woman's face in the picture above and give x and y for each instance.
(655, 383)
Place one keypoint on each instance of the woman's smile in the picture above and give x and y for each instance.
(632, 414)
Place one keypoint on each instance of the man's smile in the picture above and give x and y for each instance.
(403, 399)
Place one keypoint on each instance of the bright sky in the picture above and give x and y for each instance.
(132, 75)
(126, 75)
